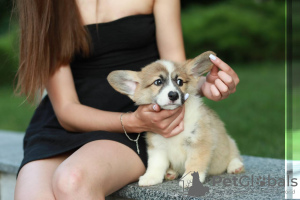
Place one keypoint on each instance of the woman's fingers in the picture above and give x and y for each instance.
(176, 126)
(212, 75)
(161, 114)
(154, 107)
(178, 129)
(167, 123)
(168, 115)
(226, 68)
(152, 118)
(222, 87)
(215, 93)
(227, 80)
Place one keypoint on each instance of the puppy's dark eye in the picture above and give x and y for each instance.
(179, 82)
(158, 82)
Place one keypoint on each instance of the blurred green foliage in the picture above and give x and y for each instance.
(8, 44)
(5, 10)
(8, 58)
(296, 30)
(236, 30)
(296, 146)
(296, 107)
(15, 111)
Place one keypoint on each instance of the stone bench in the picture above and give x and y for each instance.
(262, 179)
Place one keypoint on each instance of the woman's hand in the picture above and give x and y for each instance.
(219, 85)
(167, 123)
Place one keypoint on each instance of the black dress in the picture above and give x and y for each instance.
(128, 43)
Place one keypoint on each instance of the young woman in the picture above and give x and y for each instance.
(75, 146)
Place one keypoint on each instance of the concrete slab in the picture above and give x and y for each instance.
(11, 153)
(7, 186)
(258, 182)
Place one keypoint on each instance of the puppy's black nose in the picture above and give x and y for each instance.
(173, 96)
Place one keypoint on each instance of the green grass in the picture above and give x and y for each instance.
(295, 121)
(254, 115)
(296, 144)
(296, 108)
(14, 114)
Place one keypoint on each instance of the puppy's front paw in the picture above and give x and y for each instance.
(151, 179)
(171, 174)
(235, 166)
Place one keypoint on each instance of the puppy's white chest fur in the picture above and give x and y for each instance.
(176, 147)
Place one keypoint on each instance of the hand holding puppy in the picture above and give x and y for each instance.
(150, 117)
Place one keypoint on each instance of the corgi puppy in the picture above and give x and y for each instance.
(203, 146)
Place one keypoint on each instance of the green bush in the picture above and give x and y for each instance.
(236, 30)
(5, 9)
(296, 30)
(8, 58)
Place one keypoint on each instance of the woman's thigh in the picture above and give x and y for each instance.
(97, 169)
(35, 179)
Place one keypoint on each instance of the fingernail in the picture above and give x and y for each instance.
(186, 96)
(154, 107)
(213, 57)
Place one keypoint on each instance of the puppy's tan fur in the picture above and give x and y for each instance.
(204, 145)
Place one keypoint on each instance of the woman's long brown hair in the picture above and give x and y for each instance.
(51, 31)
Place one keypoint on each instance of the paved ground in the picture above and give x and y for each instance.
(294, 191)
(11, 153)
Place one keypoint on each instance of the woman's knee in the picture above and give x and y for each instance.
(73, 181)
(67, 180)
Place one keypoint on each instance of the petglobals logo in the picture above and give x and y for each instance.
(195, 187)
(246, 181)
(240, 184)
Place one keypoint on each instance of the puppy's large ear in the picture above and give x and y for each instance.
(201, 64)
(124, 81)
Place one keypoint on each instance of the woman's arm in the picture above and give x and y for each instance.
(75, 117)
(168, 30)
(72, 115)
